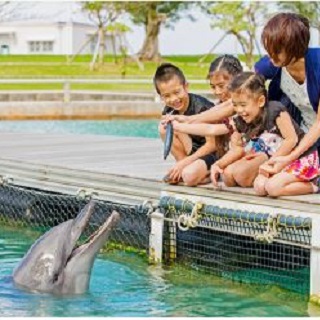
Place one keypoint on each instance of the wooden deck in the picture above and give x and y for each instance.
(119, 169)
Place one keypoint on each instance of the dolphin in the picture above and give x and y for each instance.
(54, 264)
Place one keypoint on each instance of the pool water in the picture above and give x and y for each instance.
(123, 284)
(129, 128)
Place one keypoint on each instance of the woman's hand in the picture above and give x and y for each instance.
(215, 174)
(276, 164)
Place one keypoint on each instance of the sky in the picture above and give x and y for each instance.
(187, 37)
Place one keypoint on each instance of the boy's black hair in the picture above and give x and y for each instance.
(226, 62)
(165, 72)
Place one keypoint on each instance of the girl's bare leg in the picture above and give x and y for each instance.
(196, 173)
(227, 176)
(247, 170)
(259, 185)
(286, 184)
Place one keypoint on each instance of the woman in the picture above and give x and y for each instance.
(294, 71)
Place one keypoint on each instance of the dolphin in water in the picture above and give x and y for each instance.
(54, 264)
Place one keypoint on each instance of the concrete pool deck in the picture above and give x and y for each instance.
(118, 168)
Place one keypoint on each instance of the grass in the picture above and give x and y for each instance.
(52, 66)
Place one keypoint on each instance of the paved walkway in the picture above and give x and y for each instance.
(118, 168)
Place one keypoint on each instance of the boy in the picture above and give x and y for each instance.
(193, 154)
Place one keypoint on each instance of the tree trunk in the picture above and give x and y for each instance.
(249, 55)
(150, 47)
(101, 45)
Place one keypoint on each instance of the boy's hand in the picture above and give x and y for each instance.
(164, 120)
(176, 171)
(215, 174)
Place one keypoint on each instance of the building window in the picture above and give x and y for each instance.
(40, 46)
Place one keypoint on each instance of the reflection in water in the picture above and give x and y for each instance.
(122, 284)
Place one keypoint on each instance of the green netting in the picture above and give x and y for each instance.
(248, 247)
(41, 210)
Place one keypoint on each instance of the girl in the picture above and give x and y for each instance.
(221, 72)
(294, 71)
(265, 128)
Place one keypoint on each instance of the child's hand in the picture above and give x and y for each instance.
(179, 118)
(176, 171)
(263, 170)
(164, 120)
(215, 173)
(177, 126)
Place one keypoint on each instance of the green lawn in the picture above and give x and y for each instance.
(49, 66)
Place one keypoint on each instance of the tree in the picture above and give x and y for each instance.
(103, 14)
(152, 15)
(240, 19)
(309, 9)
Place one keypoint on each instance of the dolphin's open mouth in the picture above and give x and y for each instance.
(97, 238)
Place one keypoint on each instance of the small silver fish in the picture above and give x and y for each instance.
(168, 140)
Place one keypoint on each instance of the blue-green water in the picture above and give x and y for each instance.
(130, 128)
(123, 284)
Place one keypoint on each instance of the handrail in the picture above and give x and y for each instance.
(66, 83)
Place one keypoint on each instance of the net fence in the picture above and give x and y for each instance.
(250, 247)
(40, 210)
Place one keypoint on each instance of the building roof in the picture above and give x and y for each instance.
(30, 13)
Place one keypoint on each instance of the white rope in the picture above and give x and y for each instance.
(190, 221)
(270, 233)
(86, 194)
(6, 180)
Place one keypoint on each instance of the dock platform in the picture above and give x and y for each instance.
(118, 168)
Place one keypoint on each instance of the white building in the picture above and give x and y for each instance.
(61, 31)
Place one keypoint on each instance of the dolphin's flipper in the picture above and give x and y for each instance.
(168, 140)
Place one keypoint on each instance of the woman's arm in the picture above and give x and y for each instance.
(308, 140)
(290, 138)
(200, 129)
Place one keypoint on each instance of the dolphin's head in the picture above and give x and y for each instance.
(55, 265)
